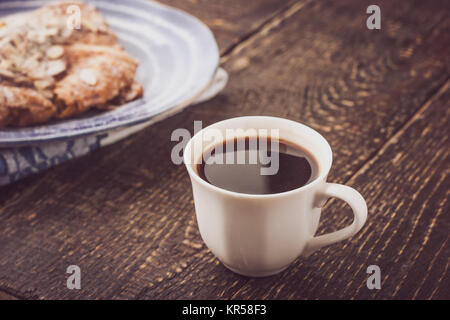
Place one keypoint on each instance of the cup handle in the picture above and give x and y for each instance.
(359, 207)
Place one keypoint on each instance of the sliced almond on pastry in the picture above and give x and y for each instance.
(24, 106)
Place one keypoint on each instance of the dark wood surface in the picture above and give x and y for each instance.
(125, 213)
(5, 296)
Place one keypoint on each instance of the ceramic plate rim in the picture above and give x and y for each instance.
(116, 125)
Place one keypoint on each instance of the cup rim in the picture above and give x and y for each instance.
(194, 175)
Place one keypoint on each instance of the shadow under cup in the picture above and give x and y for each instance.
(257, 234)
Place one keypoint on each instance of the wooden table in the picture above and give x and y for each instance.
(125, 213)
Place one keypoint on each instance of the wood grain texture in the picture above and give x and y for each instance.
(5, 296)
(125, 213)
(230, 20)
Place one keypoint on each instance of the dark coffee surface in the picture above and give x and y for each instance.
(296, 167)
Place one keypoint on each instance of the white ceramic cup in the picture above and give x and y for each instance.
(260, 235)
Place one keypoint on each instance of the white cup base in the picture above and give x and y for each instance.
(256, 274)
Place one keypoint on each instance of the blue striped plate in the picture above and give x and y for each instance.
(178, 58)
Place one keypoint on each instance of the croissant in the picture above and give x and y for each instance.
(50, 71)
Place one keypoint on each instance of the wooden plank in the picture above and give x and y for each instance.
(232, 20)
(407, 187)
(5, 296)
(124, 214)
(413, 245)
